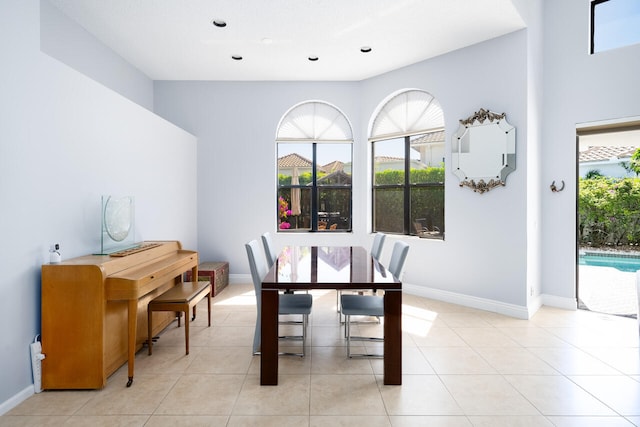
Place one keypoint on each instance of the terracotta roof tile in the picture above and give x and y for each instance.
(429, 138)
(599, 153)
(294, 160)
(334, 166)
(386, 159)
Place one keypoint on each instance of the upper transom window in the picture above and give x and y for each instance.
(407, 113)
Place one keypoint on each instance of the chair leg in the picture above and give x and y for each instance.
(304, 333)
(347, 331)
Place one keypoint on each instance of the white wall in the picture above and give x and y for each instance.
(532, 13)
(68, 42)
(578, 88)
(483, 257)
(65, 140)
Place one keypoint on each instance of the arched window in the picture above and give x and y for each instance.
(314, 144)
(408, 146)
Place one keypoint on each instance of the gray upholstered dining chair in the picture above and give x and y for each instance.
(376, 252)
(378, 243)
(288, 304)
(271, 254)
(269, 249)
(371, 305)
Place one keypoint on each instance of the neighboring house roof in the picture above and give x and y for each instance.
(294, 160)
(334, 166)
(600, 153)
(388, 159)
(337, 177)
(429, 138)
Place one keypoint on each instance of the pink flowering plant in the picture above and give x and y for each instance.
(283, 213)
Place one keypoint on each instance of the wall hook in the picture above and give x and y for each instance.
(556, 189)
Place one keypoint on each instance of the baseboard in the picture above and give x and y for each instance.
(533, 305)
(17, 399)
(519, 312)
(240, 278)
(559, 302)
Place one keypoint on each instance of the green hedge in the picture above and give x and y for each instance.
(609, 211)
(427, 203)
(431, 174)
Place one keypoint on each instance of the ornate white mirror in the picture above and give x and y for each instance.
(484, 151)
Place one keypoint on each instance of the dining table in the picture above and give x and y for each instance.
(306, 268)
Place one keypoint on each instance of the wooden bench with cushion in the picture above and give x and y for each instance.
(181, 298)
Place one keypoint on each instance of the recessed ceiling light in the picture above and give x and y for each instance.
(365, 49)
(267, 40)
(219, 23)
(313, 58)
(236, 57)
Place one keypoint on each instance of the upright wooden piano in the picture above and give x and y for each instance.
(94, 311)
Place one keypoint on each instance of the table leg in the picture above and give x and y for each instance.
(132, 320)
(393, 337)
(269, 338)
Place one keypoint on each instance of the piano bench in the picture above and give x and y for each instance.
(181, 298)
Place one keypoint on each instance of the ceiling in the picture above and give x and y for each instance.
(176, 39)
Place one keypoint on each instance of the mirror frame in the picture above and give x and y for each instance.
(464, 143)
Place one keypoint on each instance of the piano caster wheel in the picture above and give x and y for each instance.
(130, 381)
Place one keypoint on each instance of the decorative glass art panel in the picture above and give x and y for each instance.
(118, 218)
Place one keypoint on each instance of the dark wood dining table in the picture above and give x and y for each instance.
(300, 268)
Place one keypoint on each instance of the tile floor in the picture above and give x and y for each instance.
(462, 367)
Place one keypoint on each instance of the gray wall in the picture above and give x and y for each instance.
(482, 260)
(65, 140)
(65, 40)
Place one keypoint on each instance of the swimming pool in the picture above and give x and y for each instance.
(622, 262)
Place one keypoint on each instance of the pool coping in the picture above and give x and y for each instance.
(609, 254)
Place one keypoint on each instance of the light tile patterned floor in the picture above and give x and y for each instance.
(462, 367)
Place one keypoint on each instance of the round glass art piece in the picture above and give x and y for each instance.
(118, 217)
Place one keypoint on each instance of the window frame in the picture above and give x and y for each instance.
(408, 113)
(317, 123)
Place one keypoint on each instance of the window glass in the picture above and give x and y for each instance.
(335, 164)
(614, 24)
(388, 210)
(388, 161)
(314, 174)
